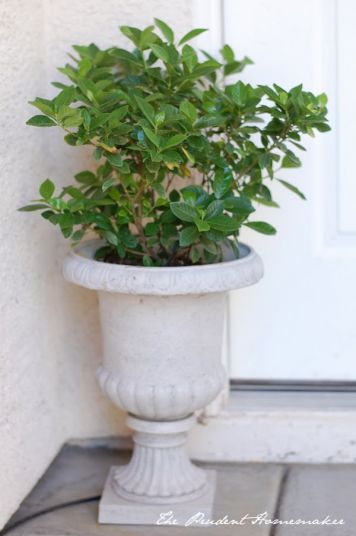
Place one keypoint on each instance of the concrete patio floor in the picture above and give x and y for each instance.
(65, 501)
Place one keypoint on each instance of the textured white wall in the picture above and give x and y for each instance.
(50, 342)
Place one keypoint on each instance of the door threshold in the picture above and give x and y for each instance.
(276, 426)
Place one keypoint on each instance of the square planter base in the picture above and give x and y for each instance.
(117, 511)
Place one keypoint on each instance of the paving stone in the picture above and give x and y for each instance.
(78, 473)
(75, 474)
(314, 492)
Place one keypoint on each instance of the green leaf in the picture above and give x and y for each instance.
(78, 235)
(190, 58)
(210, 121)
(159, 118)
(266, 202)
(124, 55)
(50, 216)
(66, 221)
(222, 183)
(224, 223)
(292, 188)
(239, 93)
(214, 209)
(172, 158)
(206, 68)
(183, 211)
(86, 119)
(102, 252)
(115, 160)
(47, 189)
(187, 109)
(71, 139)
(159, 189)
(57, 203)
(152, 137)
(261, 227)
(161, 202)
(174, 140)
(86, 177)
(85, 65)
(147, 261)
(74, 120)
(194, 255)
(111, 238)
(147, 109)
(127, 238)
(88, 52)
(239, 205)
(44, 105)
(264, 160)
(188, 236)
(188, 155)
(66, 111)
(65, 97)
(31, 208)
(151, 229)
(190, 35)
(209, 245)
(132, 33)
(228, 53)
(165, 29)
(147, 37)
(99, 121)
(161, 52)
(323, 99)
(40, 121)
(264, 192)
(202, 225)
(291, 161)
(108, 184)
(73, 192)
(88, 88)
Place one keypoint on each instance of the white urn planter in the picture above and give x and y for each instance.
(162, 334)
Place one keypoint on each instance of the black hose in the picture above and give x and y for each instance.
(10, 526)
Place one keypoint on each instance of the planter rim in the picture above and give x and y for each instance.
(81, 268)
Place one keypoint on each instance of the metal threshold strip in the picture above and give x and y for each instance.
(293, 385)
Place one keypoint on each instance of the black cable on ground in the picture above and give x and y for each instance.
(11, 526)
(279, 500)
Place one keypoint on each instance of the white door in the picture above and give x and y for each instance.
(299, 322)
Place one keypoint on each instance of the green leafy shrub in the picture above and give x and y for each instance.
(182, 155)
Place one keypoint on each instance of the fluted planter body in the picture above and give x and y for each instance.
(161, 337)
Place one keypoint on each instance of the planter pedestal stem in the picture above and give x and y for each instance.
(160, 471)
(159, 479)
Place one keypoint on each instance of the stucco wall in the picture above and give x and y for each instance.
(50, 343)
